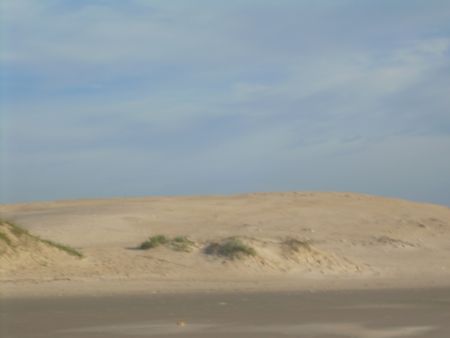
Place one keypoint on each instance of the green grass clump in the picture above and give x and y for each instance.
(181, 243)
(178, 243)
(230, 248)
(153, 242)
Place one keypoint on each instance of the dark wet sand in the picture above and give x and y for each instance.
(361, 314)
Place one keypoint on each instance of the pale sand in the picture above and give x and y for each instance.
(355, 241)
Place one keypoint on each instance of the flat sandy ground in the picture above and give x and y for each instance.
(341, 241)
(361, 314)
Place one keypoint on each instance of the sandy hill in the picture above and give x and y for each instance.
(20, 250)
(224, 239)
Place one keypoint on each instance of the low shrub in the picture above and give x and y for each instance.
(153, 242)
(230, 248)
(181, 243)
(178, 243)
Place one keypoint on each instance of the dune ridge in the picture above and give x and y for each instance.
(20, 250)
(300, 237)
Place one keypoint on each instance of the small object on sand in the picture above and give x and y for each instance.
(181, 323)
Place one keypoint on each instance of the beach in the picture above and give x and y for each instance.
(253, 265)
(345, 313)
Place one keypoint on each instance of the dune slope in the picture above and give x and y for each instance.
(292, 236)
(22, 251)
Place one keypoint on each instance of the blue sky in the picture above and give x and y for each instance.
(128, 98)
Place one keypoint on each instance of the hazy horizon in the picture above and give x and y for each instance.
(135, 98)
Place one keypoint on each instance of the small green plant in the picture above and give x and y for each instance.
(178, 243)
(153, 242)
(230, 248)
(181, 243)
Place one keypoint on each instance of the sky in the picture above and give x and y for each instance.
(154, 97)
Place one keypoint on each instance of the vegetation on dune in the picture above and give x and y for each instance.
(153, 242)
(63, 247)
(16, 230)
(181, 243)
(295, 245)
(178, 243)
(232, 248)
(20, 232)
(5, 238)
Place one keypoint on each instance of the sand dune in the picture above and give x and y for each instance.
(22, 251)
(299, 239)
